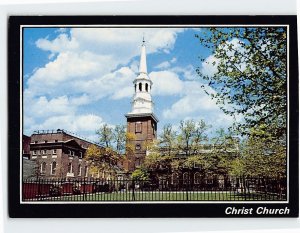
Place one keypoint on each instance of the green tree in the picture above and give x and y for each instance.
(119, 135)
(168, 138)
(262, 158)
(224, 150)
(250, 75)
(140, 174)
(101, 160)
(191, 136)
(105, 135)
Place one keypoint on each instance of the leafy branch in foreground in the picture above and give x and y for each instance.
(249, 75)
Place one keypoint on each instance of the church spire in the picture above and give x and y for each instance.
(143, 61)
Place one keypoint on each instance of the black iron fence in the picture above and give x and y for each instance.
(227, 189)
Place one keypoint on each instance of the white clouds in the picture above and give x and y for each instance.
(163, 65)
(42, 107)
(195, 103)
(194, 100)
(210, 66)
(166, 64)
(86, 65)
(166, 83)
(84, 124)
(59, 44)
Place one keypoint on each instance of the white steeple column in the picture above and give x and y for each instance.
(142, 101)
(143, 60)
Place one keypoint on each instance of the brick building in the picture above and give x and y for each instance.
(59, 154)
(26, 146)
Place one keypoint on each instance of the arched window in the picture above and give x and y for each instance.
(197, 178)
(174, 178)
(43, 167)
(86, 170)
(147, 87)
(135, 87)
(185, 177)
(140, 86)
(53, 168)
(70, 168)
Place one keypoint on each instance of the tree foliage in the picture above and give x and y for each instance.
(260, 158)
(106, 135)
(102, 160)
(106, 158)
(140, 174)
(250, 75)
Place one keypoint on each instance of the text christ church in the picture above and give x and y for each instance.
(141, 121)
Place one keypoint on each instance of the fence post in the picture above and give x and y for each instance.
(133, 189)
(84, 191)
(186, 189)
(245, 188)
(39, 189)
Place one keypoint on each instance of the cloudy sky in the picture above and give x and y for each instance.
(79, 78)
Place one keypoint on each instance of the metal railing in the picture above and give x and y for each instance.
(123, 190)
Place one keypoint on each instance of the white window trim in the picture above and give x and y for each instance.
(54, 151)
(86, 172)
(71, 170)
(41, 169)
(51, 170)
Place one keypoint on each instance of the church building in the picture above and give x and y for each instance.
(141, 121)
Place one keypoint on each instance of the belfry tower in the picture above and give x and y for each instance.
(141, 121)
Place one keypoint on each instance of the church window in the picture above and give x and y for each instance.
(140, 86)
(43, 167)
(86, 171)
(147, 87)
(138, 127)
(197, 178)
(174, 178)
(70, 168)
(185, 178)
(53, 168)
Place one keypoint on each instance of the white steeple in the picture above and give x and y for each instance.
(142, 101)
(143, 60)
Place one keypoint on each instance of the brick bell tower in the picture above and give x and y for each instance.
(141, 121)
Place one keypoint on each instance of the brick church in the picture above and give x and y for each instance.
(141, 121)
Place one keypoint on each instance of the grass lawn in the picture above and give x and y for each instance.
(166, 196)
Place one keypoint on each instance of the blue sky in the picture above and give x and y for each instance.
(79, 78)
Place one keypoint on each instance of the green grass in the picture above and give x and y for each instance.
(165, 196)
